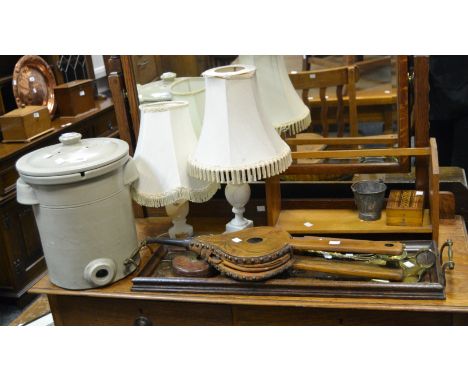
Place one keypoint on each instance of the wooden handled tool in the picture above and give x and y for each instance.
(306, 243)
(262, 252)
(340, 268)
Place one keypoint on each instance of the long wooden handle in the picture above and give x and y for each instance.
(341, 268)
(347, 245)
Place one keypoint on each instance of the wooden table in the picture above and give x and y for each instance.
(118, 305)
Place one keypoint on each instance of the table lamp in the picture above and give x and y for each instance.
(191, 90)
(237, 143)
(165, 141)
(280, 100)
(157, 91)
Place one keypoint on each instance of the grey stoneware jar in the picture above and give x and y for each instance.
(79, 190)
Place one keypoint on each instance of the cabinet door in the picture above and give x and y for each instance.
(32, 251)
(22, 253)
(145, 68)
(104, 125)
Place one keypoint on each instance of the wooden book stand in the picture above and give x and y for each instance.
(345, 221)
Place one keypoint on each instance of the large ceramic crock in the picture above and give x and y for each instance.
(80, 193)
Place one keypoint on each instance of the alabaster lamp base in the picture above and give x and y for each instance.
(238, 195)
(178, 212)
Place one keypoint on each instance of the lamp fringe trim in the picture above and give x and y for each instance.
(295, 127)
(239, 175)
(165, 198)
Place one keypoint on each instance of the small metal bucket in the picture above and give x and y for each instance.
(369, 198)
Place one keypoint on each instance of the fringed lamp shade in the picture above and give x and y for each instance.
(165, 141)
(191, 90)
(280, 100)
(237, 143)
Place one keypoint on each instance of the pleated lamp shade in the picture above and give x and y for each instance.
(191, 90)
(165, 141)
(280, 100)
(237, 143)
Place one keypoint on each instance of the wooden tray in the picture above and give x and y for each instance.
(157, 276)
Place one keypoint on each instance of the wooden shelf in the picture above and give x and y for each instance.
(333, 221)
(60, 125)
(341, 221)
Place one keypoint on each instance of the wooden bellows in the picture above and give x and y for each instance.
(262, 252)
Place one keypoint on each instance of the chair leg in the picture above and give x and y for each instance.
(324, 111)
(339, 110)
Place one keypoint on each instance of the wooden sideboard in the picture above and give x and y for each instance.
(21, 259)
(118, 305)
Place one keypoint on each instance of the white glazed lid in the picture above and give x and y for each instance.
(73, 155)
(168, 76)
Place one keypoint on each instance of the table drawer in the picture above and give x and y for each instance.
(104, 124)
(8, 177)
(82, 310)
(277, 315)
(78, 310)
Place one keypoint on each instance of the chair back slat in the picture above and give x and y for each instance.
(344, 79)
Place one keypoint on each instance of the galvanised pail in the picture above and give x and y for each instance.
(369, 197)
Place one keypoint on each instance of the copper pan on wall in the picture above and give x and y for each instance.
(33, 83)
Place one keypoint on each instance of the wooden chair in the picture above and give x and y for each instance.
(335, 77)
(310, 62)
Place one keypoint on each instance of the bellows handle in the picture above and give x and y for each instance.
(316, 243)
(184, 243)
(340, 268)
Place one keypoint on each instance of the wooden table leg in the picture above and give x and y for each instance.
(54, 309)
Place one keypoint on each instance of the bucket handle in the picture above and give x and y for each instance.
(130, 172)
(25, 194)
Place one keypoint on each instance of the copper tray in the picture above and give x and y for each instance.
(33, 83)
(157, 276)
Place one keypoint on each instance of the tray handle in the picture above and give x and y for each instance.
(450, 264)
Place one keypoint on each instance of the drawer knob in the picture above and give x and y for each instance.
(142, 321)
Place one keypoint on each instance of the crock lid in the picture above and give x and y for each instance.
(168, 76)
(72, 155)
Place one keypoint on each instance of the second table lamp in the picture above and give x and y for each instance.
(238, 143)
(280, 100)
(165, 141)
(191, 90)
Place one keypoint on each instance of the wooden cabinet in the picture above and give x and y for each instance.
(146, 68)
(103, 125)
(21, 251)
(21, 256)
